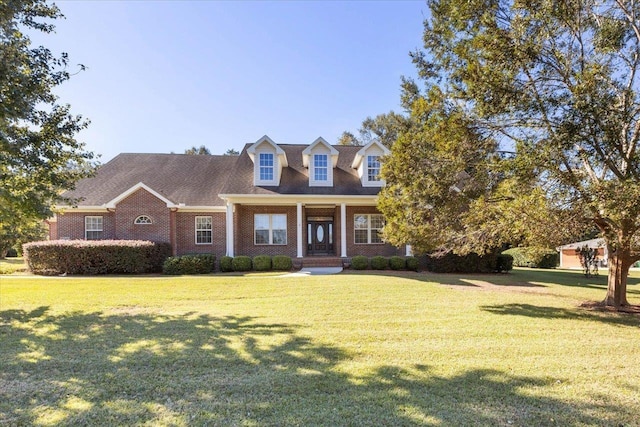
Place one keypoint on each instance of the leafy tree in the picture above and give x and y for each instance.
(232, 152)
(202, 150)
(383, 127)
(39, 155)
(556, 82)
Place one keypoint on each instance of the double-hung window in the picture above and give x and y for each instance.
(320, 168)
(270, 229)
(93, 227)
(204, 230)
(367, 228)
(266, 166)
(373, 168)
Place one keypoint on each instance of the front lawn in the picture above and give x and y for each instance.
(352, 349)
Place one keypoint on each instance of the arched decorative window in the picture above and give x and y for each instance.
(143, 219)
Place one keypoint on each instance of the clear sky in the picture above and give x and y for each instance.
(163, 76)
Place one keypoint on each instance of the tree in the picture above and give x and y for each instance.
(39, 155)
(383, 127)
(232, 152)
(556, 83)
(202, 150)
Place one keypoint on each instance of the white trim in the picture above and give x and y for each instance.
(271, 229)
(196, 229)
(195, 209)
(230, 230)
(370, 229)
(101, 230)
(306, 199)
(343, 230)
(306, 153)
(135, 221)
(112, 203)
(357, 160)
(82, 209)
(299, 252)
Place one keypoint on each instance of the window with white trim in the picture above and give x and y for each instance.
(373, 169)
(320, 167)
(204, 230)
(266, 166)
(143, 219)
(270, 229)
(93, 227)
(367, 228)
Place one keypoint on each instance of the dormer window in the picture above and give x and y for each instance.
(373, 168)
(266, 166)
(320, 168)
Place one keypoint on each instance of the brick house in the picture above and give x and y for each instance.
(303, 201)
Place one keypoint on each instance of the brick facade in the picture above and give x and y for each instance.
(353, 248)
(244, 227)
(143, 203)
(186, 234)
(71, 225)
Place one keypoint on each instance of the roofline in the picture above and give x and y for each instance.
(112, 203)
(305, 199)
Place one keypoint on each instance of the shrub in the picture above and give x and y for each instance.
(282, 263)
(262, 263)
(504, 263)
(359, 262)
(397, 263)
(95, 257)
(12, 253)
(226, 264)
(412, 263)
(533, 257)
(241, 263)
(379, 263)
(470, 263)
(190, 264)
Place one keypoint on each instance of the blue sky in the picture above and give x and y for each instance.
(163, 76)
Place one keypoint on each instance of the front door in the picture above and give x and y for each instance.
(320, 237)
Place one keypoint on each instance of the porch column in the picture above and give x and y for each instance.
(409, 250)
(343, 230)
(299, 229)
(229, 229)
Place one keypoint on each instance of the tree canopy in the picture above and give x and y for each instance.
(202, 150)
(383, 127)
(554, 83)
(39, 154)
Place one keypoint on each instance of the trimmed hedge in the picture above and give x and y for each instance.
(241, 263)
(470, 263)
(262, 263)
(282, 263)
(93, 257)
(190, 264)
(397, 263)
(226, 264)
(359, 262)
(534, 257)
(379, 263)
(412, 263)
(504, 263)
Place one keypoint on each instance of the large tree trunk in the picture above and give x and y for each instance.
(619, 260)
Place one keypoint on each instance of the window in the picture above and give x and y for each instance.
(320, 167)
(266, 166)
(270, 229)
(204, 230)
(373, 168)
(93, 227)
(367, 228)
(143, 219)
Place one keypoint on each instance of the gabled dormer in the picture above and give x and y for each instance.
(321, 158)
(367, 162)
(268, 160)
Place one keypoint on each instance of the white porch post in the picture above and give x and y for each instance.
(299, 229)
(409, 250)
(229, 229)
(343, 230)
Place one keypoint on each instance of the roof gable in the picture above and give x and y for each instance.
(317, 145)
(113, 202)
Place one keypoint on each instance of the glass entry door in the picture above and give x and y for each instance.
(320, 237)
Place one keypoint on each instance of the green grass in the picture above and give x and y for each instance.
(12, 266)
(370, 349)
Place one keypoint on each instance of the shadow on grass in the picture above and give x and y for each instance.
(136, 368)
(529, 310)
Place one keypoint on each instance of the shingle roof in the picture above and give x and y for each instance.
(195, 180)
(295, 178)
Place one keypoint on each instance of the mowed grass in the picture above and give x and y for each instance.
(346, 350)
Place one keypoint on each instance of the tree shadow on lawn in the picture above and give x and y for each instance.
(136, 368)
(528, 310)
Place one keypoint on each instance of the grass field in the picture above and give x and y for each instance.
(346, 350)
